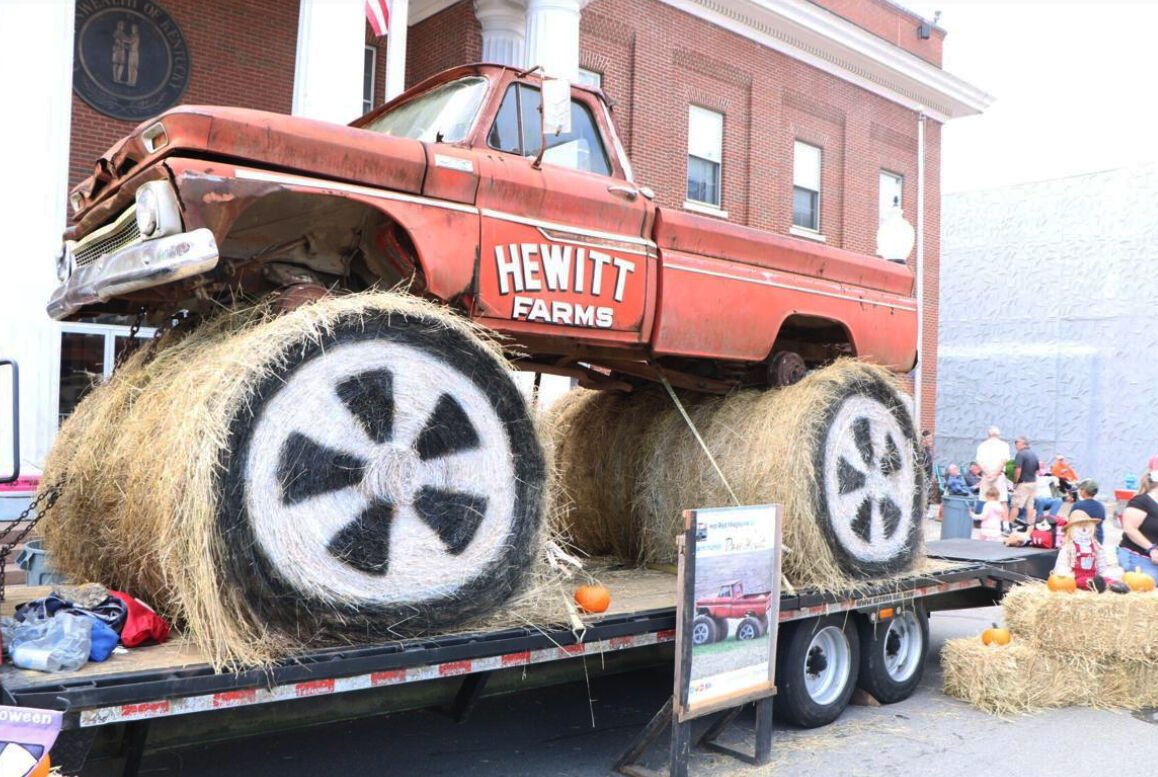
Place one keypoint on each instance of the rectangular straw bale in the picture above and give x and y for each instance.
(1104, 626)
(1018, 677)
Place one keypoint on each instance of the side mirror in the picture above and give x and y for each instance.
(10, 395)
(555, 106)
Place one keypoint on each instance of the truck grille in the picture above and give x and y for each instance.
(120, 234)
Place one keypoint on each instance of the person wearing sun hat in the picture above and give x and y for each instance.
(1139, 545)
(1085, 559)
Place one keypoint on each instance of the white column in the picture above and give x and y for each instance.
(504, 31)
(396, 48)
(36, 79)
(330, 60)
(553, 37)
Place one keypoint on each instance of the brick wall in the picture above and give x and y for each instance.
(656, 60)
(241, 54)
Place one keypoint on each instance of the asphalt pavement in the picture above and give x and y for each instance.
(550, 732)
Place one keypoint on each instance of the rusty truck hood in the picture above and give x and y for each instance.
(261, 139)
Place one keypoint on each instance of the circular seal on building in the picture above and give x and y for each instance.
(131, 60)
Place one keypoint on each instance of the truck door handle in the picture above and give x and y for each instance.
(626, 192)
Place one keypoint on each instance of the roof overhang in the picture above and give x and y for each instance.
(820, 38)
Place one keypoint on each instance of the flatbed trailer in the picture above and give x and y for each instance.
(133, 691)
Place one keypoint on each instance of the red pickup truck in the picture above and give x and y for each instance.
(731, 603)
(565, 254)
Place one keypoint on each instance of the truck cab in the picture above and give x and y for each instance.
(454, 191)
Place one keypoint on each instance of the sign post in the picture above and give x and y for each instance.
(727, 613)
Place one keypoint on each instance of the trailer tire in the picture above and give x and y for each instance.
(749, 628)
(704, 630)
(892, 655)
(816, 670)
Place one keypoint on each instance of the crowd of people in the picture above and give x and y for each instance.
(1014, 492)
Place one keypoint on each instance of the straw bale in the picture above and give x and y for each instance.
(151, 483)
(1106, 626)
(1019, 677)
(631, 465)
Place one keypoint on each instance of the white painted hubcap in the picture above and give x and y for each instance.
(379, 474)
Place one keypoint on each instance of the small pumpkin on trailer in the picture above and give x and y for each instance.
(593, 598)
(1138, 580)
(996, 635)
(1062, 584)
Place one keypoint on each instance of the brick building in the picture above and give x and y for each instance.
(804, 118)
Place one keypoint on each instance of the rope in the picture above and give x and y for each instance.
(696, 433)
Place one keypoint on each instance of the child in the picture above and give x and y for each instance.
(994, 516)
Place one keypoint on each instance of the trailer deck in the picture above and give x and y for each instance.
(173, 679)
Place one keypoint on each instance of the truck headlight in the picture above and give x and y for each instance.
(147, 216)
(158, 213)
(64, 262)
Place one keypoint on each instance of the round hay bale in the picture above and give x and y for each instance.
(838, 450)
(1106, 626)
(359, 468)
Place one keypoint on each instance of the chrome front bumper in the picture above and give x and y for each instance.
(140, 266)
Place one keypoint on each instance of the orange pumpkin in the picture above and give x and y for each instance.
(592, 598)
(1062, 583)
(1138, 580)
(996, 636)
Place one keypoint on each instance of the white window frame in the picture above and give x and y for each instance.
(797, 229)
(590, 78)
(111, 332)
(704, 206)
(373, 78)
(900, 181)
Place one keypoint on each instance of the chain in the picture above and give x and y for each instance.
(16, 533)
(133, 344)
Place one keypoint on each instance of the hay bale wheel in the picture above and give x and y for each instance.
(390, 467)
(360, 467)
(870, 497)
(838, 450)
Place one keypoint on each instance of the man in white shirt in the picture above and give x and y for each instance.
(992, 455)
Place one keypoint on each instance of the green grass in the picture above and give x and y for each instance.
(727, 645)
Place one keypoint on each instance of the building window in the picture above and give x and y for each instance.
(891, 190)
(806, 187)
(590, 78)
(88, 353)
(705, 155)
(368, 67)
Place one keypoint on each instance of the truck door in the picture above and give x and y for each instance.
(562, 245)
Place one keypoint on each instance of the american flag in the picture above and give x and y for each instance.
(378, 14)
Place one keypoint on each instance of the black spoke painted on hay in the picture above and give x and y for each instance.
(448, 431)
(454, 515)
(891, 515)
(369, 396)
(862, 435)
(364, 543)
(862, 523)
(849, 478)
(307, 468)
(891, 461)
(284, 608)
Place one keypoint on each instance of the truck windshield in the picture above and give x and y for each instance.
(442, 115)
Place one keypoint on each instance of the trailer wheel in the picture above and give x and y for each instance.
(816, 671)
(749, 628)
(388, 472)
(704, 630)
(892, 655)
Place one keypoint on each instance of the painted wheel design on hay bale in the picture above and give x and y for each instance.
(871, 483)
(390, 473)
